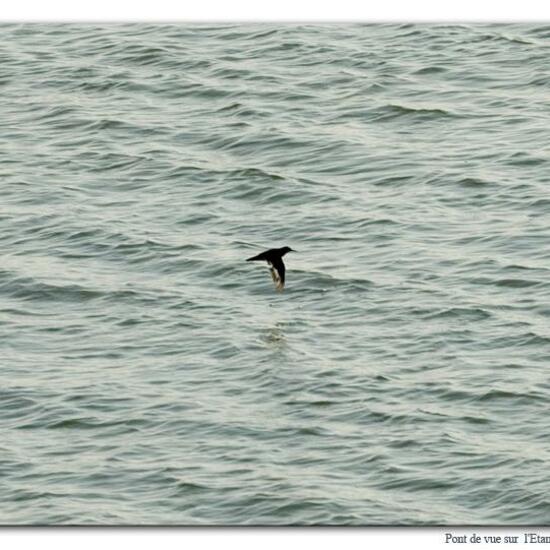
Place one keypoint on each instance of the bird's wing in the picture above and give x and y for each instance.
(278, 273)
(261, 256)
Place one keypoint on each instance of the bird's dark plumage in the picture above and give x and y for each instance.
(274, 257)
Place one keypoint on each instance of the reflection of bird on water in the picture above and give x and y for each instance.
(275, 336)
(274, 257)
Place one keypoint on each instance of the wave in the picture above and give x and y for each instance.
(393, 111)
(471, 313)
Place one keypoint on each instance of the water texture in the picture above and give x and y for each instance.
(150, 375)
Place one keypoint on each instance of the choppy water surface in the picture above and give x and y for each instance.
(151, 376)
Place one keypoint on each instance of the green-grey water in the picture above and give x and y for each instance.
(150, 375)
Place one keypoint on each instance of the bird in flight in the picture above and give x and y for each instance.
(274, 257)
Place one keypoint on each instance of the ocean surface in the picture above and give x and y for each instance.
(149, 375)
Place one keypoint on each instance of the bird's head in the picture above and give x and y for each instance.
(286, 249)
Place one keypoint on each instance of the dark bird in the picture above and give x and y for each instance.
(274, 257)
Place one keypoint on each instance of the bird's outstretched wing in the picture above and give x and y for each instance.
(261, 256)
(277, 268)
